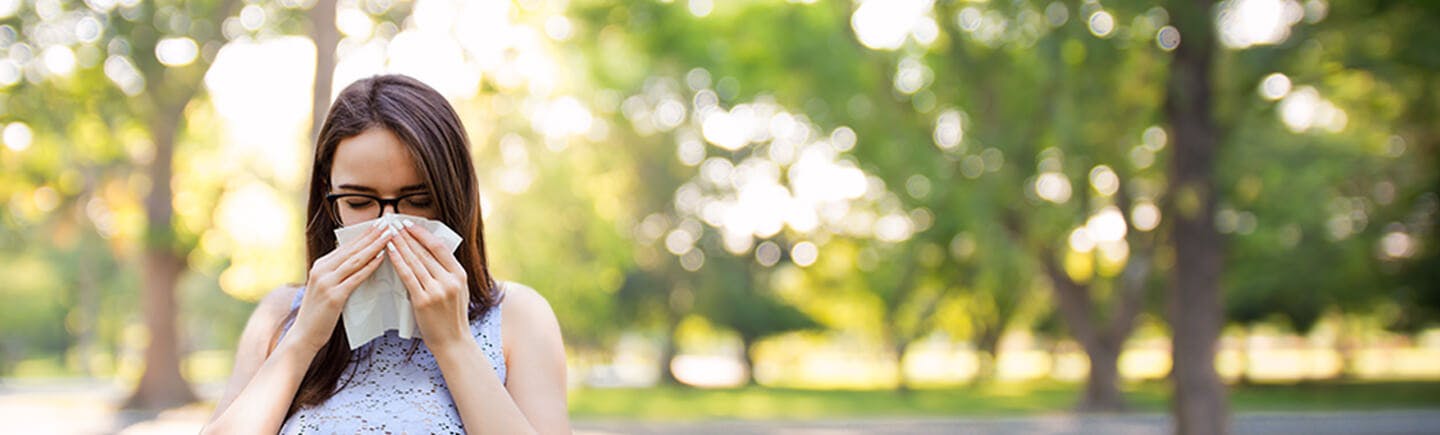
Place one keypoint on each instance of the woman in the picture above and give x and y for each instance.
(391, 144)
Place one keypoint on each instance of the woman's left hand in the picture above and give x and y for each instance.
(439, 290)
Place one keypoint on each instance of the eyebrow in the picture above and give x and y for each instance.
(359, 188)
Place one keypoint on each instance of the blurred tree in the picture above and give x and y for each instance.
(1400, 51)
(735, 292)
(1339, 106)
(978, 81)
(835, 80)
(158, 53)
(326, 36)
(139, 66)
(169, 84)
(1196, 314)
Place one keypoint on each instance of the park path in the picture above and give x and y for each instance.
(1261, 423)
(87, 408)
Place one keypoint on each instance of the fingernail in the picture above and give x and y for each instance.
(390, 245)
(408, 224)
(395, 225)
(389, 232)
(380, 254)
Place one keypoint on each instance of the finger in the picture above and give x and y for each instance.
(335, 289)
(353, 281)
(365, 253)
(426, 257)
(344, 250)
(408, 275)
(436, 247)
(411, 254)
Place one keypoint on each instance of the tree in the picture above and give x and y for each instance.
(1196, 313)
(160, 71)
(837, 81)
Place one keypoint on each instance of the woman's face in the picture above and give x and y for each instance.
(374, 168)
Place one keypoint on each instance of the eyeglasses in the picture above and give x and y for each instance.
(352, 208)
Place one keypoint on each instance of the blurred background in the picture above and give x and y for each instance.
(791, 212)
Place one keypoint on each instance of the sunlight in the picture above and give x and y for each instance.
(1104, 180)
(885, 24)
(1145, 215)
(948, 130)
(263, 122)
(1053, 187)
(1080, 240)
(1246, 23)
(1304, 109)
(804, 253)
(59, 60)
(176, 52)
(1107, 225)
(724, 129)
(1274, 87)
(17, 136)
(1102, 24)
(256, 220)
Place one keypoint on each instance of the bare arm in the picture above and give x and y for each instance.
(257, 341)
(533, 398)
(260, 406)
(535, 359)
(265, 380)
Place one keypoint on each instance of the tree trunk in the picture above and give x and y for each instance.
(987, 354)
(1243, 379)
(1196, 312)
(161, 385)
(668, 349)
(1102, 387)
(88, 307)
(326, 36)
(748, 358)
(1346, 345)
(902, 385)
(1102, 390)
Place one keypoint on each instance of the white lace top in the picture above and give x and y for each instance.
(390, 393)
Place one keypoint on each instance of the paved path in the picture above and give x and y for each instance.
(88, 408)
(1301, 423)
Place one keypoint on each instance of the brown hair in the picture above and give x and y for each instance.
(431, 130)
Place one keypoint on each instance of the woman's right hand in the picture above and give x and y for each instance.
(331, 280)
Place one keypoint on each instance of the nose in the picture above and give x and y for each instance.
(394, 208)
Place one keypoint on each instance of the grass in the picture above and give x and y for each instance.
(675, 403)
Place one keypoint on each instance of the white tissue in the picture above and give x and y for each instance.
(381, 303)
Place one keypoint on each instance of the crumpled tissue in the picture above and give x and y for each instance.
(381, 302)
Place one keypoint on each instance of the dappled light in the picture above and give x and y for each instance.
(798, 210)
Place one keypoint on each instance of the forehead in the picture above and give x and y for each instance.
(375, 158)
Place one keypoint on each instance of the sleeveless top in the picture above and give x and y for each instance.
(390, 393)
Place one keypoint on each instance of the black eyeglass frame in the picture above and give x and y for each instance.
(394, 203)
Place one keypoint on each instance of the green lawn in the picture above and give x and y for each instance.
(674, 403)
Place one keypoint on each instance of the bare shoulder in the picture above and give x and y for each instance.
(278, 300)
(269, 315)
(523, 301)
(535, 358)
(526, 316)
(257, 341)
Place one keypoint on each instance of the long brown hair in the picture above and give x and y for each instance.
(431, 130)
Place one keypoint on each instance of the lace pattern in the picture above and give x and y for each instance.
(390, 392)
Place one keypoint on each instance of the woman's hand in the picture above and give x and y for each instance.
(439, 291)
(332, 278)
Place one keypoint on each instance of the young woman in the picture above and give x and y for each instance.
(490, 357)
